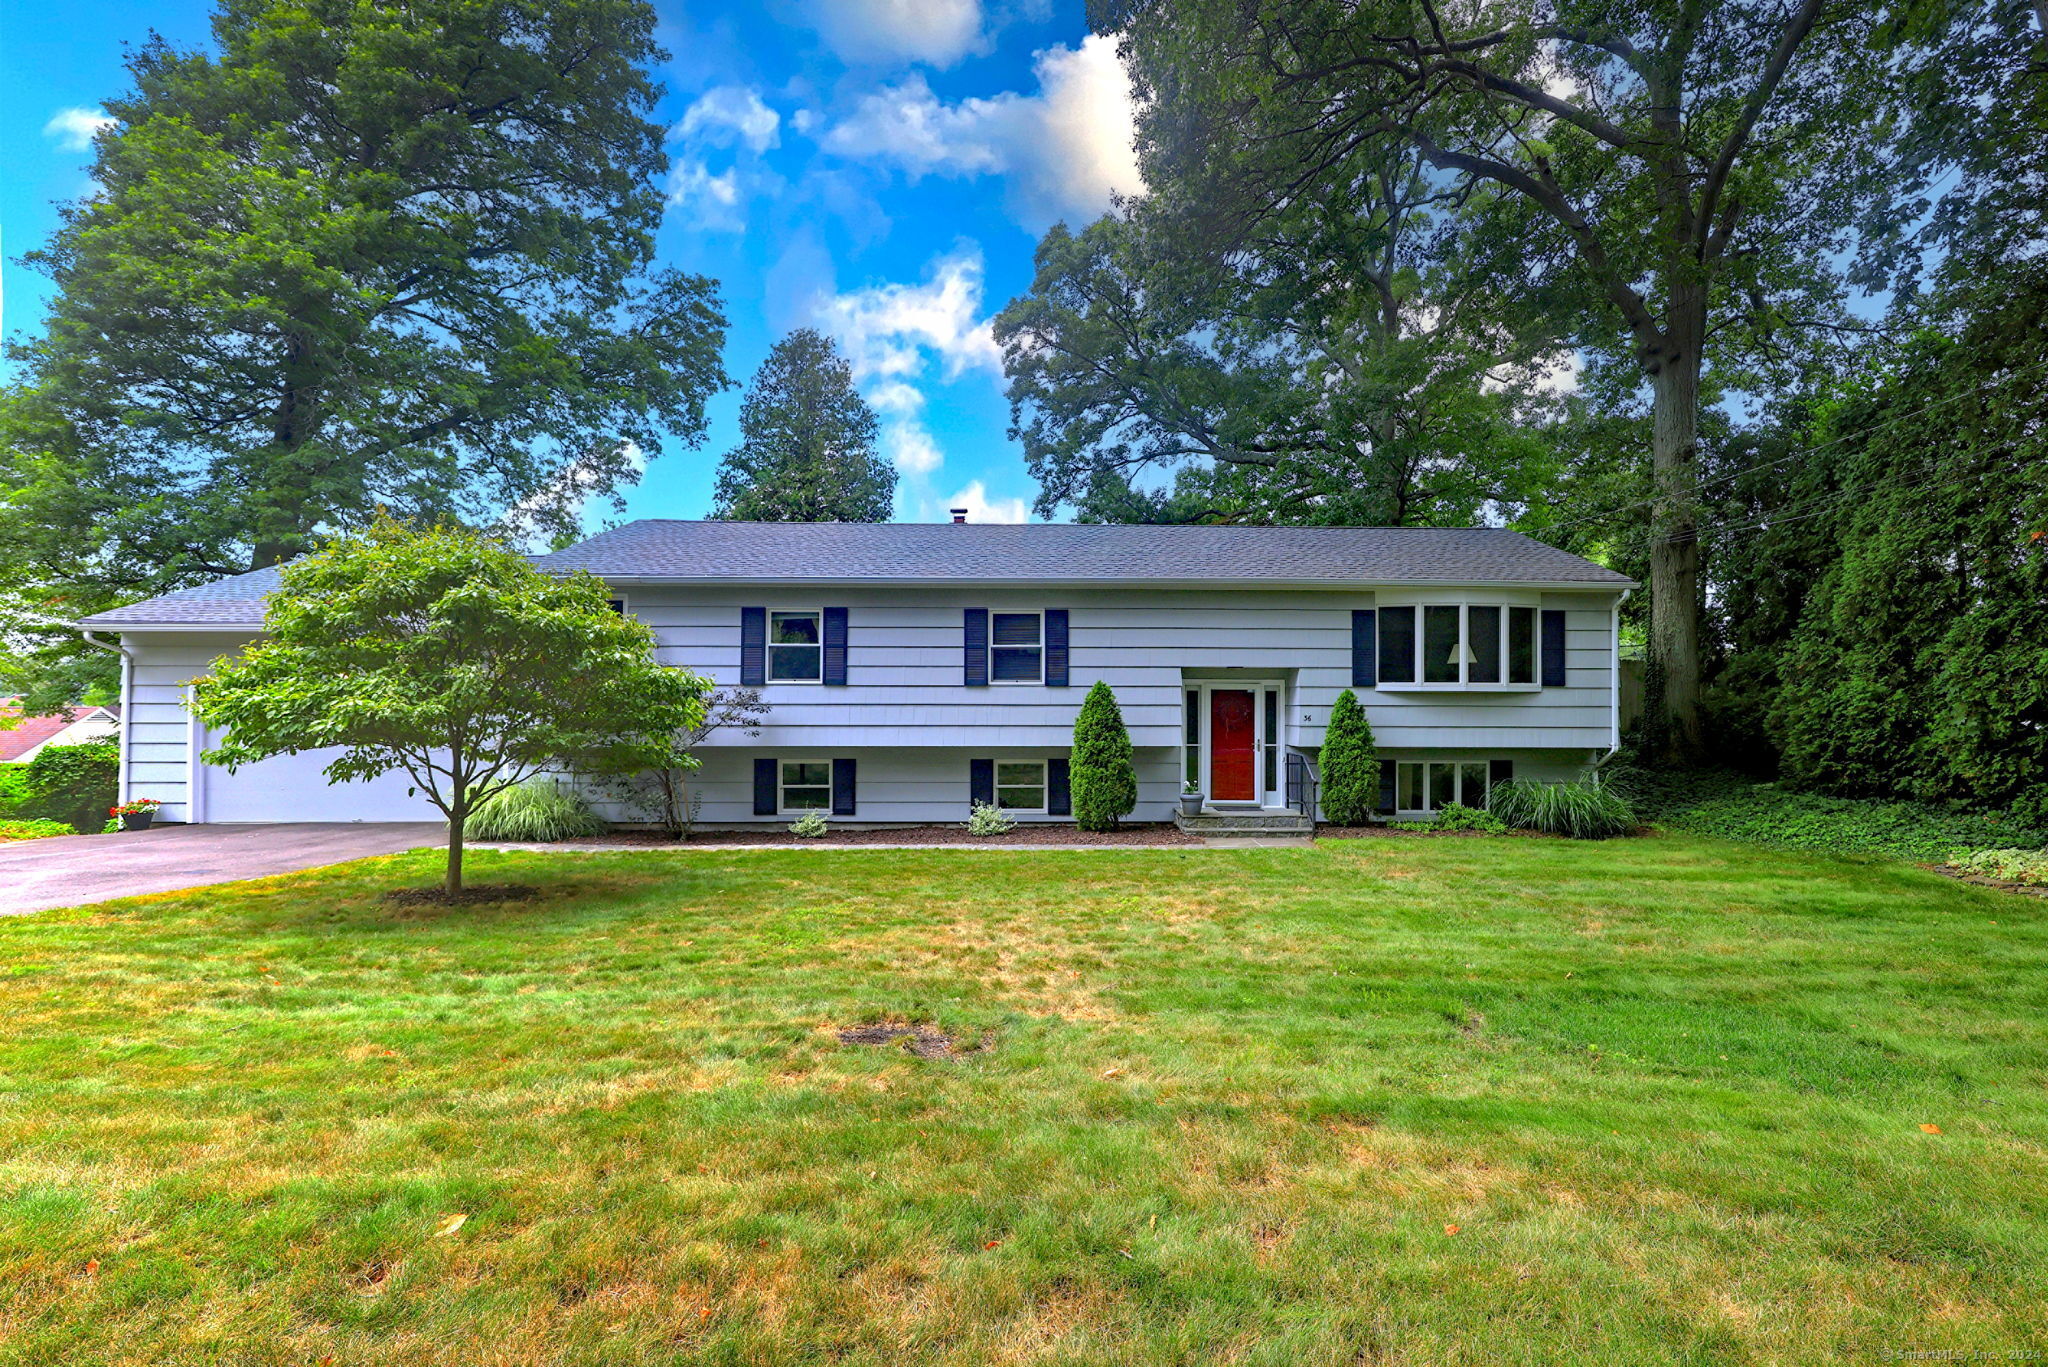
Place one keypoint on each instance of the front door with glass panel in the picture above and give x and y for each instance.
(1233, 745)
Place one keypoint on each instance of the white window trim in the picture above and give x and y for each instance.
(1464, 603)
(782, 807)
(1267, 799)
(994, 613)
(1044, 807)
(1457, 780)
(768, 646)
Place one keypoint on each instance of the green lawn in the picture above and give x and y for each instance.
(1382, 1101)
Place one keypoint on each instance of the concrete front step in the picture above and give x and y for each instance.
(1211, 823)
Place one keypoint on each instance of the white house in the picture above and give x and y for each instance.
(912, 669)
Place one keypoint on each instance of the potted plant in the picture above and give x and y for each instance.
(136, 815)
(1190, 799)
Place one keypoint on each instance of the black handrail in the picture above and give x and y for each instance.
(1302, 786)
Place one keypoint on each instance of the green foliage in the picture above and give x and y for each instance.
(1348, 766)
(1578, 810)
(1103, 772)
(34, 830)
(355, 256)
(75, 784)
(807, 448)
(538, 809)
(444, 655)
(1728, 805)
(810, 825)
(14, 789)
(2027, 867)
(988, 819)
(1892, 634)
(1456, 816)
(1289, 379)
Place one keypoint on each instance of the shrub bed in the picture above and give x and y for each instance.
(1728, 805)
(34, 830)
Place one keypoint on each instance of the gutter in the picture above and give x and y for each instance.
(1613, 689)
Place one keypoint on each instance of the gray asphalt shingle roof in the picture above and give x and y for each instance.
(910, 552)
(1068, 552)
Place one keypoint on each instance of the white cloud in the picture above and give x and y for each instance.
(910, 447)
(1064, 149)
(887, 330)
(74, 129)
(892, 334)
(712, 201)
(727, 113)
(981, 508)
(938, 32)
(727, 116)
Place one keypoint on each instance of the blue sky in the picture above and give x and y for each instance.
(878, 168)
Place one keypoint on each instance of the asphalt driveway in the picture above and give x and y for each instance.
(71, 870)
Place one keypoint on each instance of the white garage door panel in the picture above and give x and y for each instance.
(292, 788)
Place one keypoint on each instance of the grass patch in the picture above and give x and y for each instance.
(1439, 1102)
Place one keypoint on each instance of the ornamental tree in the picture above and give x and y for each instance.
(443, 654)
(1350, 764)
(1103, 773)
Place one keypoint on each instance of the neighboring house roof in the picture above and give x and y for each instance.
(659, 550)
(19, 743)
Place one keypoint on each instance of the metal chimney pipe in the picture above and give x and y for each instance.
(959, 517)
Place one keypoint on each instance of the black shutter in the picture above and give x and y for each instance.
(764, 787)
(1059, 795)
(1365, 652)
(1499, 771)
(835, 645)
(753, 647)
(1055, 647)
(981, 781)
(1397, 645)
(842, 785)
(1553, 648)
(975, 662)
(1386, 785)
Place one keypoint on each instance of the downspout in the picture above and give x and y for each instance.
(1613, 687)
(127, 716)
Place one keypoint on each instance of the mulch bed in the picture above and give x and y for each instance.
(905, 835)
(921, 1040)
(477, 894)
(1374, 832)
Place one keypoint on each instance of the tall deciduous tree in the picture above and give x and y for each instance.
(1677, 175)
(807, 449)
(357, 255)
(1331, 363)
(445, 656)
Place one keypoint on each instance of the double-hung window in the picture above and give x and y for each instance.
(796, 644)
(1432, 785)
(806, 785)
(1016, 647)
(1457, 645)
(1020, 785)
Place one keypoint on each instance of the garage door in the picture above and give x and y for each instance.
(292, 788)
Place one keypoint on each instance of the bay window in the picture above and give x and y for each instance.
(1457, 644)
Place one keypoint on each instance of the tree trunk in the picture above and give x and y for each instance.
(1674, 523)
(457, 816)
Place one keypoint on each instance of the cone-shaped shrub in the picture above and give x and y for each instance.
(1104, 778)
(1349, 765)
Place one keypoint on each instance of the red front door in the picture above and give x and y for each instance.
(1233, 746)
